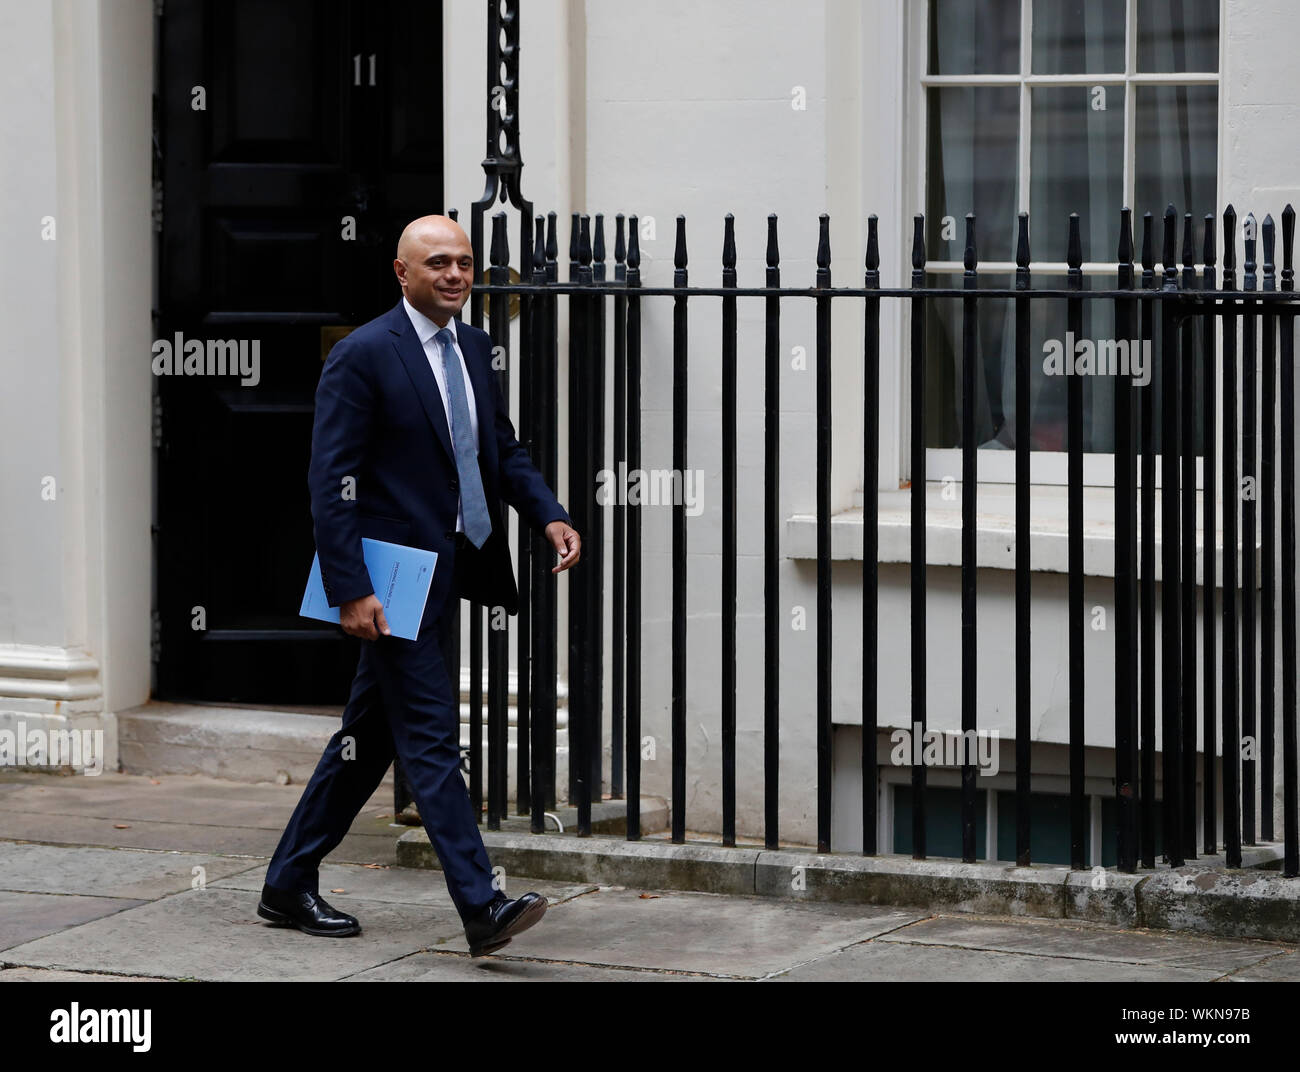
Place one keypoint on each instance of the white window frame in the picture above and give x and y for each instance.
(1047, 467)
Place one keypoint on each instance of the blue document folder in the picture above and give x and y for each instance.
(401, 577)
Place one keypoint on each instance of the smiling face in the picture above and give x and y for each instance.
(435, 267)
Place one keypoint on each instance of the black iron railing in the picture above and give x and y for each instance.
(1250, 326)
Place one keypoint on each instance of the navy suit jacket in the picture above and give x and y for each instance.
(380, 420)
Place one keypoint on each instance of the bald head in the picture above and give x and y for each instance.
(435, 266)
(429, 230)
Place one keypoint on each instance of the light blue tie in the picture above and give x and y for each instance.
(478, 525)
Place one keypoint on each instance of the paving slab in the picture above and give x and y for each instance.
(356, 847)
(253, 815)
(172, 798)
(1086, 942)
(24, 916)
(188, 813)
(45, 975)
(100, 872)
(458, 968)
(187, 796)
(83, 830)
(738, 937)
(399, 885)
(215, 934)
(1282, 968)
(903, 962)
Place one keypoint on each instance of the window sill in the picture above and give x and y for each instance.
(995, 544)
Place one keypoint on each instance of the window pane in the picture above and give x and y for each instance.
(997, 423)
(1076, 165)
(1049, 388)
(1177, 35)
(1177, 146)
(1050, 819)
(1176, 129)
(971, 166)
(974, 36)
(1078, 37)
(1048, 392)
(942, 821)
(994, 376)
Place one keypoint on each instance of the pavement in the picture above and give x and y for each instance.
(131, 877)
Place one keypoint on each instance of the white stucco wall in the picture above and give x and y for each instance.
(75, 571)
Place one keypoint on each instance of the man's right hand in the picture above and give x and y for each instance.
(359, 617)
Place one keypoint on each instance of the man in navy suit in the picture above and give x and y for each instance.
(412, 443)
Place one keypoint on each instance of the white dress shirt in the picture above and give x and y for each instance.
(426, 329)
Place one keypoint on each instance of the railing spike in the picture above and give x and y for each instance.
(552, 244)
(633, 243)
(1022, 251)
(773, 252)
(729, 243)
(1248, 232)
(1208, 273)
(1148, 243)
(1074, 248)
(969, 257)
(918, 242)
(598, 240)
(539, 241)
(679, 249)
(620, 246)
(1126, 236)
(1288, 248)
(499, 251)
(1189, 253)
(1170, 248)
(584, 241)
(1270, 239)
(1229, 248)
(823, 278)
(873, 244)
(824, 241)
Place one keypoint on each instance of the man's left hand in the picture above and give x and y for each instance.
(567, 543)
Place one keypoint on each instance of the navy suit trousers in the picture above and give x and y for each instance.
(402, 704)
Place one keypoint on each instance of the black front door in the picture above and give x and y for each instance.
(295, 139)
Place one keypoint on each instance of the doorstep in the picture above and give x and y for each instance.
(247, 743)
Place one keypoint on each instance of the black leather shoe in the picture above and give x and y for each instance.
(501, 920)
(307, 911)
